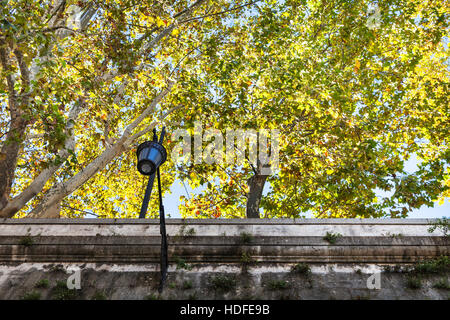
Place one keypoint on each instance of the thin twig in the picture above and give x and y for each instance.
(219, 13)
(83, 211)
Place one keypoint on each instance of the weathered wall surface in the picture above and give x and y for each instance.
(224, 259)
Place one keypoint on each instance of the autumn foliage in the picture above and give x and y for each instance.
(82, 83)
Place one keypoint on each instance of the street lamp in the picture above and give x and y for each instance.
(150, 156)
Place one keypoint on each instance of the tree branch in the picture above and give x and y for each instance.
(153, 124)
(10, 148)
(59, 191)
(167, 31)
(39, 182)
(221, 12)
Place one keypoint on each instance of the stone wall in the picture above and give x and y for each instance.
(224, 259)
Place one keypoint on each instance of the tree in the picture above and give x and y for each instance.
(354, 93)
(354, 98)
(82, 82)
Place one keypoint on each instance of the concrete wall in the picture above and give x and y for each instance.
(222, 259)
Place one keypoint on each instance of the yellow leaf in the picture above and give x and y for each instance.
(357, 66)
(159, 22)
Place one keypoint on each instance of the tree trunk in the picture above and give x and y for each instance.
(53, 211)
(10, 147)
(256, 186)
(8, 162)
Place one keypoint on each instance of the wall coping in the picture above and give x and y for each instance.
(333, 221)
(220, 240)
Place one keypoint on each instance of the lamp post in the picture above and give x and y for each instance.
(151, 155)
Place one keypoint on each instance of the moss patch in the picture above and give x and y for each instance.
(439, 265)
(222, 283)
(26, 241)
(33, 295)
(61, 292)
(277, 285)
(43, 284)
(301, 268)
(331, 238)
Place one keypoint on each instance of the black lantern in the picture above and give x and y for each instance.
(151, 155)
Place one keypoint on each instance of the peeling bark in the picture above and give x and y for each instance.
(10, 148)
(10, 151)
(36, 186)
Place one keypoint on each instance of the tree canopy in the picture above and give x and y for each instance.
(356, 88)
